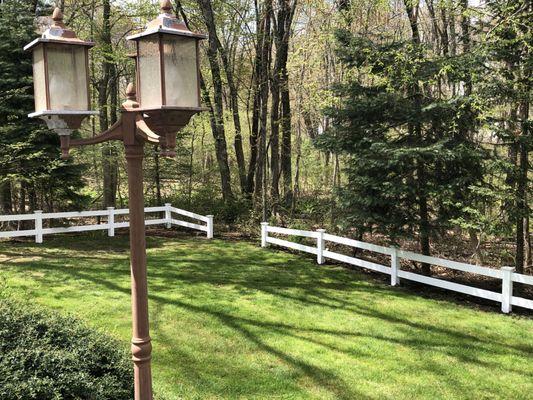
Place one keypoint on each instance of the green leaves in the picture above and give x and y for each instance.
(407, 137)
(46, 356)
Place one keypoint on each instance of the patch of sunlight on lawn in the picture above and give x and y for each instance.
(232, 321)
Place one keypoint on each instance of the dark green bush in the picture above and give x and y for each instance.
(208, 200)
(47, 356)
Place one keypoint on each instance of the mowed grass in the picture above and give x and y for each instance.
(232, 321)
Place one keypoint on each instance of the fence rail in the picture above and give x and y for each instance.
(506, 274)
(110, 225)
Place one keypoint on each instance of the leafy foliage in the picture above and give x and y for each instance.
(407, 139)
(47, 356)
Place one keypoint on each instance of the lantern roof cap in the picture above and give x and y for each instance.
(58, 33)
(166, 22)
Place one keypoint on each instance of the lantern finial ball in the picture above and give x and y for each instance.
(131, 92)
(57, 16)
(166, 6)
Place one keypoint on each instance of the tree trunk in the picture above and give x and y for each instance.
(104, 89)
(218, 125)
(266, 47)
(191, 170)
(32, 197)
(286, 145)
(5, 198)
(258, 80)
(157, 177)
(415, 131)
(234, 104)
(274, 116)
(296, 192)
(522, 209)
(22, 198)
(286, 150)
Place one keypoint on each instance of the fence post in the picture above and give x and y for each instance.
(209, 226)
(168, 215)
(264, 234)
(320, 246)
(507, 288)
(395, 266)
(38, 226)
(110, 221)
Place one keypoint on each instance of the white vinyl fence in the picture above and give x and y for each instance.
(506, 274)
(110, 225)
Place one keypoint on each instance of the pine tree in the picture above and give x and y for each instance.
(411, 163)
(508, 86)
(29, 153)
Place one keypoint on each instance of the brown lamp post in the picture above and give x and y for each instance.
(167, 65)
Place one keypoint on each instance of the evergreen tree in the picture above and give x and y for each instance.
(508, 86)
(411, 161)
(29, 152)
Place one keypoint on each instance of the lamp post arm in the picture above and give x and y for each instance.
(113, 133)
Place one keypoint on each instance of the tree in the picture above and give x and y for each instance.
(217, 124)
(29, 153)
(410, 167)
(281, 110)
(508, 44)
(107, 87)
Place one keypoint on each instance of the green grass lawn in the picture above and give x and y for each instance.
(230, 320)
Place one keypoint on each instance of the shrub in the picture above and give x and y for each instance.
(47, 356)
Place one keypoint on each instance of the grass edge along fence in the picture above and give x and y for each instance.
(110, 225)
(506, 274)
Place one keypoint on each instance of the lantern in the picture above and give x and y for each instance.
(168, 75)
(167, 63)
(61, 77)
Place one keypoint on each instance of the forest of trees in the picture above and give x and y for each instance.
(405, 120)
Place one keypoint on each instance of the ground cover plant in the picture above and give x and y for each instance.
(230, 320)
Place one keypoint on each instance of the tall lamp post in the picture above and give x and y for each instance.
(167, 74)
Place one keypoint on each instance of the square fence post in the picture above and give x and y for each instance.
(395, 266)
(507, 289)
(264, 234)
(38, 226)
(168, 215)
(320, 246)
(209, 226)
(110, 221)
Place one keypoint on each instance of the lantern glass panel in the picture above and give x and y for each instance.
(67, 77)
(39, 81)
(181, 74)
(149, 72)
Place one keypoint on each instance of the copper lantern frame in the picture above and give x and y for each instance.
(166, 119)
(63, 121)
(136, 126)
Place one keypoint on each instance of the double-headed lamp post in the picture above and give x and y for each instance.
(167, 74)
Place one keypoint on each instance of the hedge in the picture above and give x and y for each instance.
(44, 355)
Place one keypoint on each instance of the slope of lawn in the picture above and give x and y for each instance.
(233, 321)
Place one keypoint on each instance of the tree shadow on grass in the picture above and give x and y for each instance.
(296, 281)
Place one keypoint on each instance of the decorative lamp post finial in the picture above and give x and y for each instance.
(57, 17)
(131, 97)
(166, 6)
(131, 93)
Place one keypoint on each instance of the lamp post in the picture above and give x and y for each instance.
(167, 71)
